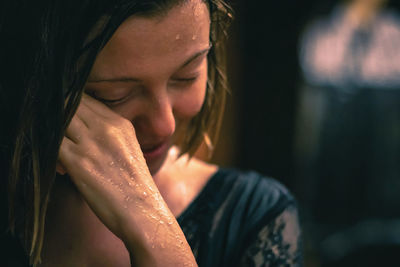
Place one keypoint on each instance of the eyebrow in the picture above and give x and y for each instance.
(132, 79)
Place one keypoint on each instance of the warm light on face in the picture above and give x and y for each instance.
(153, 72)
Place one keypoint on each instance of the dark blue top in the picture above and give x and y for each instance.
(243, 219)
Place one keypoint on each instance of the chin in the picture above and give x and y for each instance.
(155, 165)
(154, 169)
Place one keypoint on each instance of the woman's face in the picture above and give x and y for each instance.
(153, 72)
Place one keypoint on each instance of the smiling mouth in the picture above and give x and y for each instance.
(150, 148)
(154, 151)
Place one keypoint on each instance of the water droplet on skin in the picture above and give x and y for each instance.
(111, 163)
(161, 222)
(111, 181)
(194, 37)
(154, 217)
(178, 36)
(147, 236)
(132, 159)
(144, 194)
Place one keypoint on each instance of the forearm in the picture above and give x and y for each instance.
(157, 240)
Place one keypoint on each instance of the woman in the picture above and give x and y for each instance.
(142, 86)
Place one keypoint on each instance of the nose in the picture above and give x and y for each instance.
(160, 120)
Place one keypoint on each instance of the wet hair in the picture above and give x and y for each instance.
(47, 51)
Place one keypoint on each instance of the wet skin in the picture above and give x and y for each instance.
(146, 84)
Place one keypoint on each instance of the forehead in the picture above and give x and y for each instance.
(168, 38)
(181, 24)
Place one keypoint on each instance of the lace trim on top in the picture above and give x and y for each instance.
(277, 244)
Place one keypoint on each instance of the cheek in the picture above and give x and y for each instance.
(189, 103)
(129, 109)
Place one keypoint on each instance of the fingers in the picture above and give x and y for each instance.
(75, 129)
(97, 107)
(97, 115)
(64, 155)
(93, 127)
(85, 118)
(60, 168)
(89, 124)
(72, 161)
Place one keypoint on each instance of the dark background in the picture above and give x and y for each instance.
(264, 77)
(259, 130)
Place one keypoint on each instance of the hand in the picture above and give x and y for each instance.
(101, 154)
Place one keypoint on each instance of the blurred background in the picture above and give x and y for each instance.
(315, 103)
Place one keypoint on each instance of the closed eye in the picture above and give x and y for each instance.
(111, 101)
(107, 101)
(182, 82)
(185, 79)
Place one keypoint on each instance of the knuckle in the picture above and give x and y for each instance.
(84, 162)
(110, 130)
(122, 122)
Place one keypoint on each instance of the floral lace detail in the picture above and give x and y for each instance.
(277, 244)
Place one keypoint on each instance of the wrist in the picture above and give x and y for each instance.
(157, 240)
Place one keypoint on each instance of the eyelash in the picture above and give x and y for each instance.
(185, 80)
(109, 102)
(114, 101)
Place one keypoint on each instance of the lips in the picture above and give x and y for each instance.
(153, 151)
